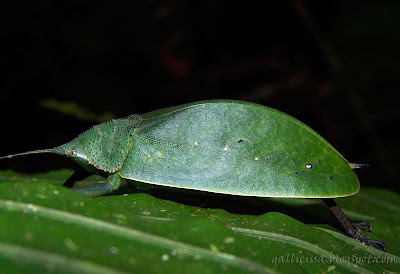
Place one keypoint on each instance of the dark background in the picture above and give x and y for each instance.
(332, 64)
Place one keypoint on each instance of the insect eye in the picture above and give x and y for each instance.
(72, 153)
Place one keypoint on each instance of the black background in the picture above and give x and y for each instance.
(331, 64)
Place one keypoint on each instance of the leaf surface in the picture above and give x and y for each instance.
(46, 227)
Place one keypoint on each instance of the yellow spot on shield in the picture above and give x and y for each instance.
(159, 154)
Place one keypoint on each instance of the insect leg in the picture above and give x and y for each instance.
(351, 229)
(113, 182)
(94, 190)
(78, 175)
(362, 227)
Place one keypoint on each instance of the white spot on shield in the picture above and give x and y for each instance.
(226, 148)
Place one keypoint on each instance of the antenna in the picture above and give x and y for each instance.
(49, 150)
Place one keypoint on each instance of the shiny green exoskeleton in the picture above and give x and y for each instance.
(221, 146)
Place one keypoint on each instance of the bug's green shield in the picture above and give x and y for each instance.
(236, 148)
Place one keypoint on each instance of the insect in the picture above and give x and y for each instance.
(221, 146)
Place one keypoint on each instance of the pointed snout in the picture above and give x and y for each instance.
(60, 150)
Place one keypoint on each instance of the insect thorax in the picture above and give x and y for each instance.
(107, 144)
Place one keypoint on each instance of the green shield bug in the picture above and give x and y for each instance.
(221, 146)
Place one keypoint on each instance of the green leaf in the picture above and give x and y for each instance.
(46, 227)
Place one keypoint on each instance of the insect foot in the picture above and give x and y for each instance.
(374, 243)
(350, 229)
(362, 227)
